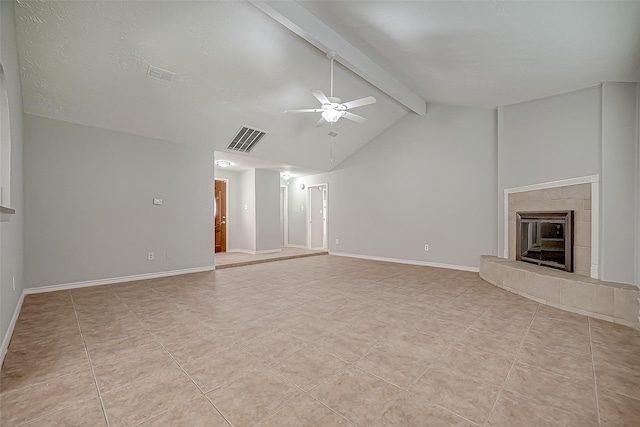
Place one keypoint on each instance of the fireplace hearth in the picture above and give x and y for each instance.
(545, 238)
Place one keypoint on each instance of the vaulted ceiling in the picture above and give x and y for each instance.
(86, 62)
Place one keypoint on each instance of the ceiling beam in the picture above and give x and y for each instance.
(306, 25)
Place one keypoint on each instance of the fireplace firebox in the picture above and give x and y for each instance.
(545, 238)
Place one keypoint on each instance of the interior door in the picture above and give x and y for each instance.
(282, 216)
(220, 219)
(316, 217)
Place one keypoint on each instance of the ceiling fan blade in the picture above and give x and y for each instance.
(321, 122)
(321, 96)
(354, 117)
(360, 102)
(308, 110)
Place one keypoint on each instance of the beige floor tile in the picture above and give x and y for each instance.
(347, 346)
(618, 410)
(616, 336)
(511, 330)
(394, 364)
(620, 356)
(193, 349)
(392, 320)
(486, 340)
(42, 330)
(181, 334)
(273, 347)
(513, 410)
(557, 314)
(31, 364)
(614, 378)
(306, 412)
(552, 325)
(142, 400)
(557, 362)
(374, 329)
(41, 399)
(125, 323)
(117, 373)
(356, 395)
(96, 337)
(220, 368)
(414, 411)
(574, 395)
(112, 350)
(87, 413)
(421, 344)
(434, 326)
(560, 341)
(489, 367)
(465, 395)
(197, 412)
(252, 397)
(308, 366)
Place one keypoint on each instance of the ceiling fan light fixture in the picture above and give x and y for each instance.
(223, 163)
(331, 115)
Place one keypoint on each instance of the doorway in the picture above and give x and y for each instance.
(317, 200)
(284, 216)
(220, 215)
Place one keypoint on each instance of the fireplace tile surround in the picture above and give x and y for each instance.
(579, 292)
(614, 302)
(576, 198)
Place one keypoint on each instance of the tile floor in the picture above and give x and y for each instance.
(318, 341)
(236, 259)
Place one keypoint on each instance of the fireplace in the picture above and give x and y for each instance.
(545, 238)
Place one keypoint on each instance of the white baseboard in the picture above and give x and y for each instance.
(112, 280)
(7, 336)
(409, 261)
(295, 246)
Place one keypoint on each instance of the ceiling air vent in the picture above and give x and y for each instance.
(246, 139)
(160, 74)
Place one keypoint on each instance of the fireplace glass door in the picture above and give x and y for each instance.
(545, 238)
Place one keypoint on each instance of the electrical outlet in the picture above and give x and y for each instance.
(426, 248)
(151, 256)
(337, 241)
(14, 283)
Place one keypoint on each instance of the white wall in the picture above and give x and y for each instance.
(88, 204)
(619, 185)
(638, 184)
(566, 127)
(267, 192)
(587, 132)
(11, 231)
(425, 180)
(247, 237)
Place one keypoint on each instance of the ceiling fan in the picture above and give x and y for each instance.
(332, 107)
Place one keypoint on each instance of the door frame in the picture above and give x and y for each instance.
(226, 213)
(325, 228)
(285, 210)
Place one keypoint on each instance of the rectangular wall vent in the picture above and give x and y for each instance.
(246, 139)
(160, 74)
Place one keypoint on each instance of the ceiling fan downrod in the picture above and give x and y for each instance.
(332, 55)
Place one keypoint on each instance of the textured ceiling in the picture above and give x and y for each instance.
(85, 62)
(493, 53)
